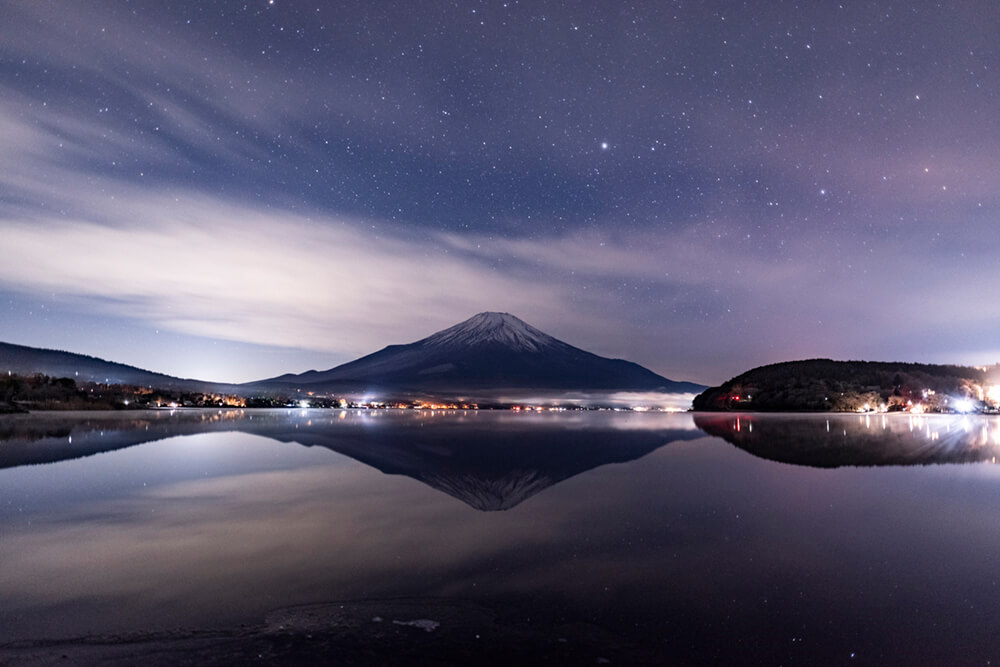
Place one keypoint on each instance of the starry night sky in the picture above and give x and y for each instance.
(232, 190)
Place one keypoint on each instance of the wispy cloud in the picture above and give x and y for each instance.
(168, 172)
(202, 267)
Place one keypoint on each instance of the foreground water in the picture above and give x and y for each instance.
(698, 538)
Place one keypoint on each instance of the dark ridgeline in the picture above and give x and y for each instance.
(26, 361)
(489, 351)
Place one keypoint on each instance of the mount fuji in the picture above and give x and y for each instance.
(489, 352)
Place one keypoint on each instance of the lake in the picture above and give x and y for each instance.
(616, 538)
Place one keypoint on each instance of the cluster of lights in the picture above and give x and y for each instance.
(959, 405)
(421, 405)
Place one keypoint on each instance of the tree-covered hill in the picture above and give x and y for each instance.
(827, 385)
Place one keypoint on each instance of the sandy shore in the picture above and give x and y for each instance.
(370, 632)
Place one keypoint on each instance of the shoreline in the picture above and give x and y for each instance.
(400, 631)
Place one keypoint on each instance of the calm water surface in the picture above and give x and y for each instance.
(708, 538)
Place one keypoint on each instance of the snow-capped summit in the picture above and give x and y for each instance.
(492, 328)
(487, 352)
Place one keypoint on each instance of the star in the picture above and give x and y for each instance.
(374, 134)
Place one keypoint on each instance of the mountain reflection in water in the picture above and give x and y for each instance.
(835, 440)
(686, 551)
(490, 461)
(496, 460)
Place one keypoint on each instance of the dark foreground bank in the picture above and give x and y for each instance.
(371, 632)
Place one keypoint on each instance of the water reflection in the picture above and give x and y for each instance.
(490, 461)
(696, 551)
(831, 441)
(236, 517)
(496, 460)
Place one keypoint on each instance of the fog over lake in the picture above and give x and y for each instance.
(705, 538)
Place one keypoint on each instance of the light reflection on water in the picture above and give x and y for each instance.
(641, 523)
(859, 440)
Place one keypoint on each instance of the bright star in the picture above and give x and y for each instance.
(604, 145)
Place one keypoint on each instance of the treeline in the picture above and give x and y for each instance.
(23, 393)
(847, 386)
(18, 393)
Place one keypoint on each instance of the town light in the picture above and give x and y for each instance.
(963, 405)
(993, 394)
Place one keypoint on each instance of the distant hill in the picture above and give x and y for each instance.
(488, 352)
(827, 385)
(24, 360)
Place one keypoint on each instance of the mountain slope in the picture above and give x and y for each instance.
(24, 360)
(488, 351)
